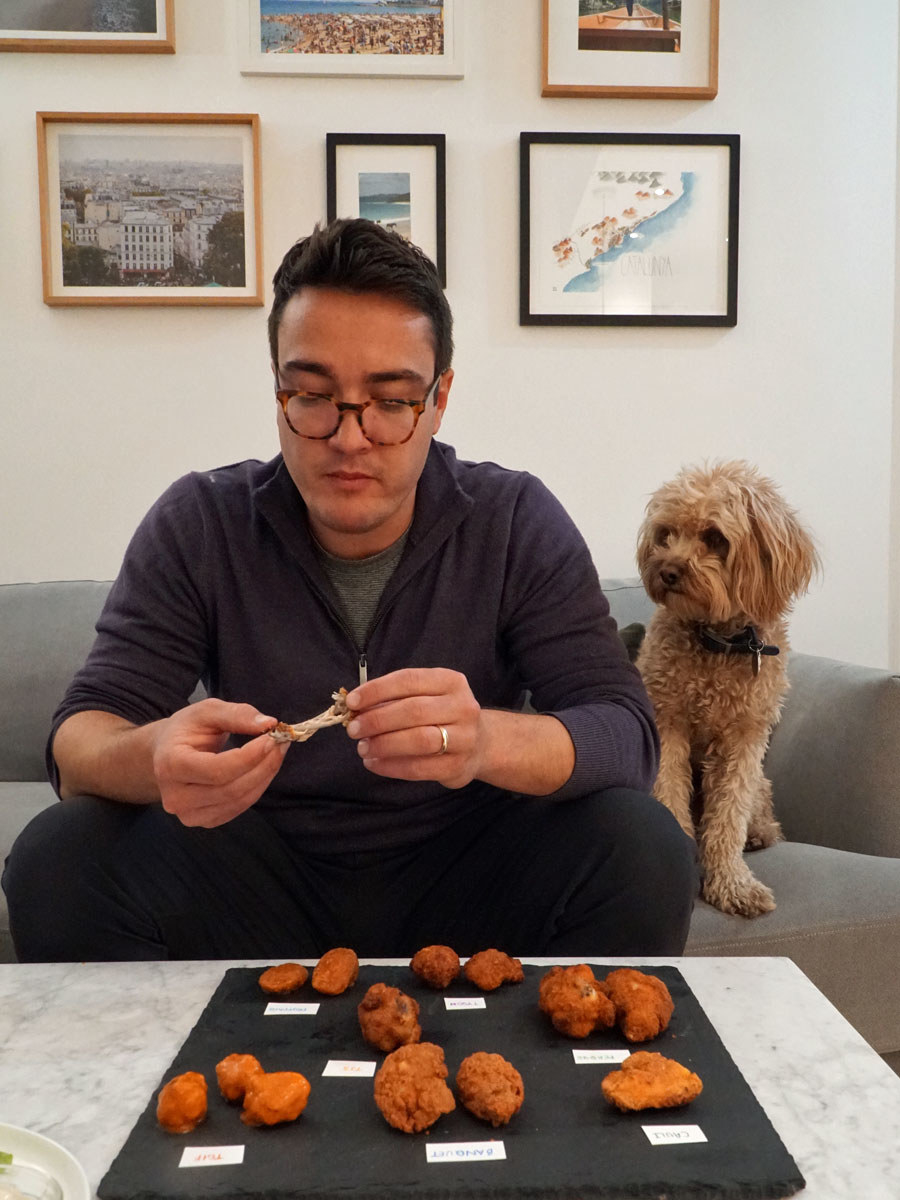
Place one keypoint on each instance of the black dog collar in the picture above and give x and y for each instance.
(747, 641)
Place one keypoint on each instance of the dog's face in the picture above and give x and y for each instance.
(719, 544)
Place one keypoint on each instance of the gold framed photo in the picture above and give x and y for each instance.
(150, 208)
(87, 27)
(639, 49)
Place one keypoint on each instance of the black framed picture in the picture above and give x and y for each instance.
(628, 229)
(396, 179)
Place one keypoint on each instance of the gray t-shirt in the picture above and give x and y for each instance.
(359, 583)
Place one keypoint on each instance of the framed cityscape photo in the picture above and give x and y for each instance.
(664, 49)
(351, 37)
(150, 208)
(628, 228)
(88, 26)
(396, 179)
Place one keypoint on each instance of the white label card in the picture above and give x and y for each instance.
(588, 1057)
(452, 1002)
(349, 1067)
(673, 1135)
(278, 1008)
(439, 1152)
(211, 1156)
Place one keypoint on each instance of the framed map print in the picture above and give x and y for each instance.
(628, 229)
(665, 49)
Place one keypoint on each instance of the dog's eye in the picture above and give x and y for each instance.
(663, 533)
(715, 542)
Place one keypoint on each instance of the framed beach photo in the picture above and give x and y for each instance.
(150, 208)
(351, 37)
(628, 229)
(650, 49)
(88, 26)
(396, 179)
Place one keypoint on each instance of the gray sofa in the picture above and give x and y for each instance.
(834, 761)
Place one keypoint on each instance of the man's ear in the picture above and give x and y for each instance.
(440, 399)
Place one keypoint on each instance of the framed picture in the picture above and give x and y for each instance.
(150, 208)
(665, 49)
(628, 229)
(396, 179)
(351, 37)
(117, 26)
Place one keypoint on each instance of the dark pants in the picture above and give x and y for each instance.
(609, 874)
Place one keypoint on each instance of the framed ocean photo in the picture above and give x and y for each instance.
(88, 26)
(628, 229)
(395, 179)
(351, 37)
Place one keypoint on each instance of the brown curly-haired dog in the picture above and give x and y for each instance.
(724, 557)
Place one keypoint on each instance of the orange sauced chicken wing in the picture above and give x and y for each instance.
(410, 1090)
(437, 966)
(490, 1087)
(388, 1018)
(233, 1074)
(275, 1096)
(287, 977)
(181, 1104)
(643, 1004)
(488, 969)
(336, 971)
(647, 1080)
(575, 1001)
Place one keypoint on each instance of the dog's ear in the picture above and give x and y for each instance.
(780, 563)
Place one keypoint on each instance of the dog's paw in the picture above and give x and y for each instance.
(765, 834)
(741, 894)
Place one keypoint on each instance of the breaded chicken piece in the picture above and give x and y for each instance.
(647, 1080)
(233, 1074)
(489, 968)
(437, 966)
(336, 971)
(275, 1096)
(490, 1087)
(410, 1090)
(287, 977)
(575, 1001)
(643, 1004)
(181, 1104)
(388, 1017)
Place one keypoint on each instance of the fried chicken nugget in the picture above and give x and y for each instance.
(575, 1001)
(643, 1004)
(275, 1096)
(287, 977)
(233, 1074)
(437, 966)
(489, 968)
(648, 1080)
(181, 1104)
(388, 1017)
(336, 971)
(490, 1087)
(410, 1089)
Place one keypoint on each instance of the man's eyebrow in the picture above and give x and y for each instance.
(312, 367)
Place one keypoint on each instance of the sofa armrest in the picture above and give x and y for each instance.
(834, 758)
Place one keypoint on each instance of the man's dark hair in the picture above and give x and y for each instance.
(355, 255)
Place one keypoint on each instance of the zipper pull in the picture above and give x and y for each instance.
(363, 669)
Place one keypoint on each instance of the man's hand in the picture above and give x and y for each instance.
(398, 723)
(198, 781)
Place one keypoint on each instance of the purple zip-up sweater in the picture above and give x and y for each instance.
(221, 583)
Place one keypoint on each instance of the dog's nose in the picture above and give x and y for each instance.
(670, 575)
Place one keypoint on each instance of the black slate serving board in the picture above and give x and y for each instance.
(566, 1143)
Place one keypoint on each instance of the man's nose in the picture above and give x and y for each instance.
(349, 436)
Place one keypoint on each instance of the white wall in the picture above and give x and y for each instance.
(103, 407)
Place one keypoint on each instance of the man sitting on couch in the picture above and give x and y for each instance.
(366, 548)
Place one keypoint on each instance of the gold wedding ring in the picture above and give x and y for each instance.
(445, 741)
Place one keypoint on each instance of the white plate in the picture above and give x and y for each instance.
(35, 1150)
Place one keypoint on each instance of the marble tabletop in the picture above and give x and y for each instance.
(83, 1045)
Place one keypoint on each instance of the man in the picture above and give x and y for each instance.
(439, 592)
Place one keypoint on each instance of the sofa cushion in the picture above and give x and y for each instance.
(837, 917)
(19, 802)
